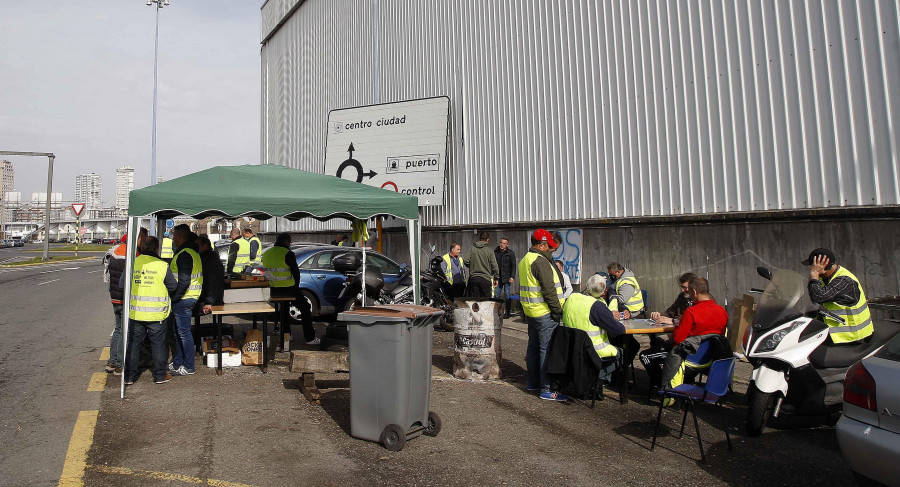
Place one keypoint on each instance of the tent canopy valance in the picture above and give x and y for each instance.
(266, 191)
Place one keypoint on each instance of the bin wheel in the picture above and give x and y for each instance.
(393, 437)
(434, 424)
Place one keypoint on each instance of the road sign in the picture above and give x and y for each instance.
(170, 223)
(83, 230)
(77, 208)
(400, 147)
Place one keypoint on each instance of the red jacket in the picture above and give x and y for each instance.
(702, 318)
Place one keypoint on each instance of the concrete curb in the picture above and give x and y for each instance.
(7, 266)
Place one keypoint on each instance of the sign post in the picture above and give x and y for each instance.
(77, 208)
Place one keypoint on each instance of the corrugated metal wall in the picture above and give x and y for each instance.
(587, 109)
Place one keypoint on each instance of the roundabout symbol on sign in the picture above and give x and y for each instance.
(351, 162)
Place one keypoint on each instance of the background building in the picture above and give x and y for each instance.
(124, 185)
(89, 190)
(712, 137)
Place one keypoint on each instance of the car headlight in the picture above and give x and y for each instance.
(770, 342)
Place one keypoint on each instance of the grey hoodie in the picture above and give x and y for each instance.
(482, 262)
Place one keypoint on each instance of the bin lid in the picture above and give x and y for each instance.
(393, 312)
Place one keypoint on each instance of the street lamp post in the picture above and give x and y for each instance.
(159, 4)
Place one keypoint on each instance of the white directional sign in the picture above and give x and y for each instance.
(400, 147)
(77, 208)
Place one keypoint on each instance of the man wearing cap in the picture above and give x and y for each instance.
(838, 291)
(540, 292)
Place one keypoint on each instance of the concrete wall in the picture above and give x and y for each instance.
(729, 252)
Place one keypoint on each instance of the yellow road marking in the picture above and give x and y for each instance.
(76, 456)
(162, 476)
(104, 354)
(98, 382)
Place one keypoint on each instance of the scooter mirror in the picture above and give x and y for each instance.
(403, 266)
(433, 247)
(764, 272)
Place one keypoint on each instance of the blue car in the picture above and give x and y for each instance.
(322, 285)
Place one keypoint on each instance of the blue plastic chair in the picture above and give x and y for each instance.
(717, 385)
(698, 363)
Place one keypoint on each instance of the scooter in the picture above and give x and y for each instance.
(796, 368)
(377, 291)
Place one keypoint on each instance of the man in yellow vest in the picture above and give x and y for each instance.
(455, 271)
(238, 253)
(590, 313)
(631, 305)
(187, 266)
(255, 246)
(148, 307)
(540, 293)
(838, 291)
(283, 274)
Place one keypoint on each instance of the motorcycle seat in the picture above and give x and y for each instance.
(830, 356)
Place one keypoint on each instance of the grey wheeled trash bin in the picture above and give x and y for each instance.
(390, 373)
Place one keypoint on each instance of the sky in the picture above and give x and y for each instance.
(76, 79)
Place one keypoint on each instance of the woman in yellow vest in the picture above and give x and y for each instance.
(280, 265)
(187, 266)
(148, 307)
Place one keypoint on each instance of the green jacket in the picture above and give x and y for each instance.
(543, 270)
(482, 262)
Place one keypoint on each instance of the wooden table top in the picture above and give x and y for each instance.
(241, 284)
(239, 308)
(645, 326)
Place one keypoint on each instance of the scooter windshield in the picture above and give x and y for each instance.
(780, 297)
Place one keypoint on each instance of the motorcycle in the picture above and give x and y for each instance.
(436, 292)
(796, 368)
(377, 291)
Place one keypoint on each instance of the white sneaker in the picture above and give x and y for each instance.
(171, 366)
(182, 371)
(314, 341)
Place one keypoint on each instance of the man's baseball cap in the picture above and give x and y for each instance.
(544, 236)
(820, 251)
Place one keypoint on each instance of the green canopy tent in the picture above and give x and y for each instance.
(264, 192)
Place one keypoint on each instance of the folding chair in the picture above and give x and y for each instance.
(717, 385)
(605, 376)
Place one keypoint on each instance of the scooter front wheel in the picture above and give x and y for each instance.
(759, 407)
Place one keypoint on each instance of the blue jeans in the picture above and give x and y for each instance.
(504, 289)
(136, 334)
(184, 341)
(539, 332)
(115, 343)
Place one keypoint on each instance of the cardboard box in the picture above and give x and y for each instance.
(229, 359)
(741, 317)
(228, 345)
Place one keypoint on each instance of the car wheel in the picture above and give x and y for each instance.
(313, 307)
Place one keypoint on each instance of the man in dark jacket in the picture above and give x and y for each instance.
(213, 278)
(483, 271)
(114, 270)
(506, 261)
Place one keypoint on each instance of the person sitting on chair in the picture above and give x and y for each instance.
(586, 311)
(704, 319)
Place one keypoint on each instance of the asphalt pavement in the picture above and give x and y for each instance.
(250, 428)
(55, 321)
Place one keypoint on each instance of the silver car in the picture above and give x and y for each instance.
(869, 431)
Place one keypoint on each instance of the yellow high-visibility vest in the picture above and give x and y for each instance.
(449, 272)
(530, 296)
(577, 314)
(149, 299)
(636, 303)
(196, 285)
(258, 259)
(276, 270)
(857, 319)
(243, 254)
(166, 252)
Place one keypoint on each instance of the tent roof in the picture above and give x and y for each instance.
(266, 191)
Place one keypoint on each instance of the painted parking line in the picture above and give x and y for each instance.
(104, 354)
(98, 382)
(147, 474)
(46, 282)
(91, 272)
(79, 444)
